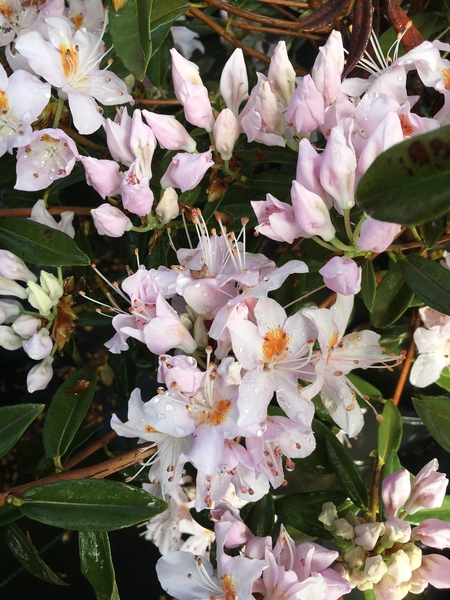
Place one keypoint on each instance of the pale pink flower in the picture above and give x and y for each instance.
(169, 132)
(428, 488)
(434, 352)
(226, 133)
(276, 219)
(328, 67)
(281, 74)
(395, 492)
(110, 221)
(13, 267)
(186, 170)
(433, 533)
(342, 275)
(306, 108)
(377, 235)
(40, 375)
(234, 81)
(39, 214)
(311, 213)
(337, 171)
(261, 118)
(103, 175)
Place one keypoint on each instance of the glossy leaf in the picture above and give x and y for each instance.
(363, 386)
(67, 411)
(368, 284)
(130, 32)
(39, 244)
(97, 565)
(317, 462)
(167, 11)
(317, 497)
(9, 514)
(302, 517)
(431, 232)
(261, 516)
(23, 549)
(435, 414)
(429, 280)
(408, 183)
(89, 504)
(346, 472)
(202, 518)
(389, 431)
(13, 422)
(442, 513)
(392, 298)
(444, 379)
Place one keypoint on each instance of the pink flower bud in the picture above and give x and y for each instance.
(367, 535)
(428, 489)
(40, 375)
(26, 326)
(306, 108)
(311, 213)
(102, 175)
(436, 570)
(186, 170)
(118, 137)
(137, 197)
(169, 132)
(395, 491)
(262, 114)
(377, 235)
(234, 81)
(276, 219)
(328, 68)
(183, 70)
(13, 267)
(433, 533)
(342, 275)
(281, 74)
(197, 106)
(337, 172)
(142, 143)
(226, 133)
(39, 345)
(110, 220)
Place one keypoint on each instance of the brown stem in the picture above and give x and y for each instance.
(250, 16)
(226, 36)
(411, 245)
(90, 450)
(108, 467)
(329, 301)
(150, 102)
(415, 322)
(374, 493)
(311, 36)
(287, 3)
(80, 139)
(282, 11)
(79, 211)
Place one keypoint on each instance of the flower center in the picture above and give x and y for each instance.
(275, 346)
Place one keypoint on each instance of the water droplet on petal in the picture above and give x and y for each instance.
(169, 408)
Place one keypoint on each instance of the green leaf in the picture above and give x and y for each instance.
(435, 414)
(67, 411)
(408, 183)
(368, 284)
(429, 280)
(431, 232)
(392, 297)
(293, 512)
(363, 386)
(261, 516)
(389, 431)
(444, 379)
(202, 518)
(23, 549)
(316, 498)
(13, 422)
(97, 565)
(89, 504)
(40, 245)
(277, 183)
(317, 462)
(159, 65)
(369, 595)
(81, 436)
(8, 514)
(442, 513)
(130, 33)
(167, 11)
(346, 472)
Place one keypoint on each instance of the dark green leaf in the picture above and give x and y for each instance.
(429, 280)
(315, 498)
(261, 516)
(67, 411)
(444, 379)
(167, 12)
(408, 183)
(159, 64)
(89, 504)
(22, 548)
(363, 386)
(346, 472)
(277, 183)
(13, 422)
(442, 513)
(392, 297)
(431, 232)
(76, 175)
(392, 465)
(17, 199)
(202, 518)
(317, 462)
(39, 244)
(81, 436)
(435, 414)
(265, 154)
(97, 565)
(9, 514)
(368, 284)
(389, 431)
(304, 518)
(130, 32)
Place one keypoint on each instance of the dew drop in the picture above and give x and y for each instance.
(180, 430)
(161, 416)
(155, 400)
(169, 408)
(256, 391)
(259, 432)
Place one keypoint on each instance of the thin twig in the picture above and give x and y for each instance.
(411, 245)
(250, 16)
(80, 139)
(79, 211)
(329, 301)
(287, 3)
(238, 25)
(374, 491)
(108, 467)
(414, 323)
(282, 11)
(90, 450)
(150, 102)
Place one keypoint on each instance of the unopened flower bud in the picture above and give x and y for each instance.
(51, 286)
(13, 267)
(343, 529)
(428, 489)
(368, 534)
(342, 275)
(234, 81)
(397, 531)
(400, 567)
(39, 299)
(39, 345)
(186, 170)
(26, 326)
(414, 554)
(9, 340)
(9, 287)
(9, 310)
(329, 514)
(168, 208)
(40, 375)
(395, 491)
(306, 108)
(110, 221)
(375, 568)
(226, 133)
(354, 558)
(103, 175)
(377, 235)
(281, 74)
(200, 333)
(433, 533)
(311, 213)
(169, 132)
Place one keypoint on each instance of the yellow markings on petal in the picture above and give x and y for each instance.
(150, 429)
(6, 10)
(49, 140)
(69, 59)
(446, 78)
(77, 20)
(220, 412)
(230, 592)
(333, 340)
(3, 102)
(407, 126)
(275, 344)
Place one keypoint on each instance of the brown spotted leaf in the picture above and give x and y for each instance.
(324, 15)
(361, 30)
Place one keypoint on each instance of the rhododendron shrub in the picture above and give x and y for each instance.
(251, 251)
